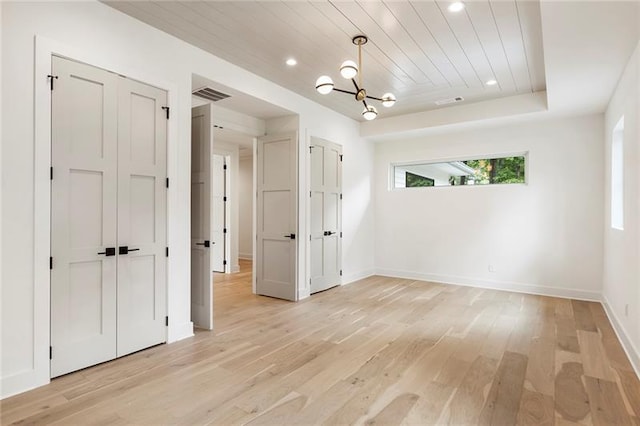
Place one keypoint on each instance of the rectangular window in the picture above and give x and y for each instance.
(617, 176)
(476, 171)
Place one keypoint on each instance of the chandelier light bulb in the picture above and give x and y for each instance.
(370, 112)
(349, 69)
(324, 85)
(388, 100)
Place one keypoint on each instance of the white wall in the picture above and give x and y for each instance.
(621, 283)
(542, 237)
(245, 196)
(102, 36)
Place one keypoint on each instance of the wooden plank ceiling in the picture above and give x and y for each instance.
(418, 50)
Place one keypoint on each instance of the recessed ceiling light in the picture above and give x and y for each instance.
(291, 62)
(491, 82)
(456, 6)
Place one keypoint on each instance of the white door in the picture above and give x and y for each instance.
(142, 218)
(83, 216)
(108, 214)
(218, 217)
(276, 248)
(326, 214)
(201, 240)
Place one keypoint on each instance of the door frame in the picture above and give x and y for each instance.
(45, 49)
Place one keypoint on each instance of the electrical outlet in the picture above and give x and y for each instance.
(626, 310)
(492, 268)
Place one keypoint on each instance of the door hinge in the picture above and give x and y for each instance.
(167, 182)
(166, 108)
(310, 149)
(224, 262)
(310, 194)
(309, 237)
(341, 196)
(50, 352)
(50, 262)
(340, 234)
(224, 199)
(51, 173)
(340, 157)
(224, 230)
(166, 321)
(224, 167)
(166, 251)
(340, 272)
(51, 78)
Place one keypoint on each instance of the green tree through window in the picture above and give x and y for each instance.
(413, 181)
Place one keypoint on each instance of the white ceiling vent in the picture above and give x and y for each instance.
(450, 100)
(210, 94)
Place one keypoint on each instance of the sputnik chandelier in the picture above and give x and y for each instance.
(349, 70)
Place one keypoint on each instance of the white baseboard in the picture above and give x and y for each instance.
(630, 349)
(235, 268)
(22, 382)
(592, 296)
(348, 279)
(245, 256)
(179, 331)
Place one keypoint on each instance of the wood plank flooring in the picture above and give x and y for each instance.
(379, 351)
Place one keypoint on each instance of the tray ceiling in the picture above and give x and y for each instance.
(418, 50)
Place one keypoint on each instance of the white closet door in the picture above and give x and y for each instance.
(218, 185)
(201, 272)
(83, 216)
(142, 193)
(276, 211)
(326, 214)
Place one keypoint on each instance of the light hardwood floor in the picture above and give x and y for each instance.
(380, 351)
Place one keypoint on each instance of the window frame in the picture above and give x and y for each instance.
(392, 165)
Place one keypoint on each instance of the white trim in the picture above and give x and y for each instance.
(245, 256)
(45, 48)
(351, 278)
(566, 293)
(627, 344)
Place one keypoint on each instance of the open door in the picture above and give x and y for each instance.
(326, 214)
(201, 240)
(276, 248)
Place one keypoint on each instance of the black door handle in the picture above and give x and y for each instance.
(206, 243)
(109, 251)
(328, 233)
(292, 236)
(125, 249)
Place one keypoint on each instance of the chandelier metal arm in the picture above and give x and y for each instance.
(352, 71)
(344, 91)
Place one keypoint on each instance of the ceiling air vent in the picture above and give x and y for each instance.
(450, 100)
(210, 94)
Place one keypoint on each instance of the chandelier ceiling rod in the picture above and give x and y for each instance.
(349, 70)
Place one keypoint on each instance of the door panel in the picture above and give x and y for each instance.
(277, 216)
(141, 216)
(218, 185)
(326, 214)
(83, 216)
(107, 190)
(201, 270)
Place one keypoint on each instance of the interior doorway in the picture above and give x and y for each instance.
(235, 125)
